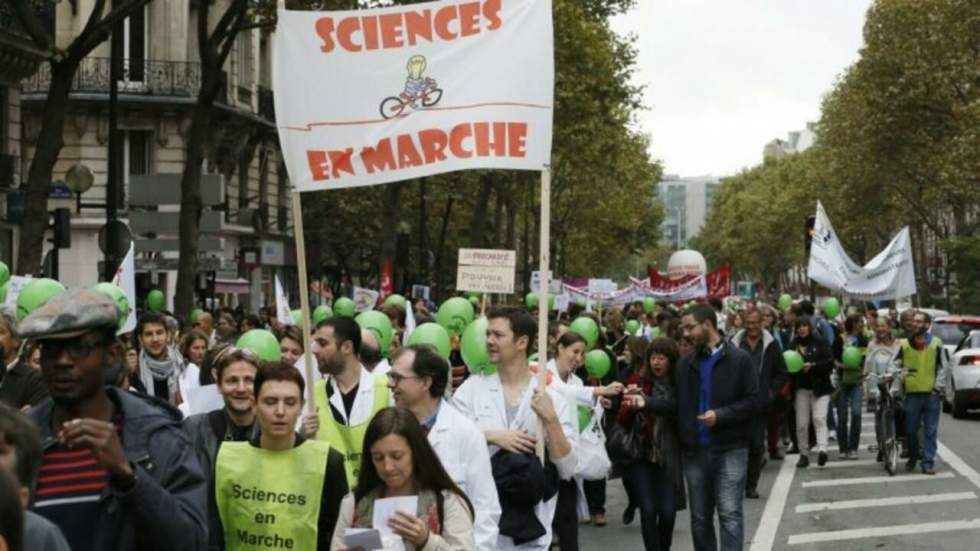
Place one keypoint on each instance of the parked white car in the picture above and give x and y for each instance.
(963, 377)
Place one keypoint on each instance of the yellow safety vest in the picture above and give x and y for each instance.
(920, 366)
(347, 439)
(270, 499)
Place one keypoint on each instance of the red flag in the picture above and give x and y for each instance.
(387, 286)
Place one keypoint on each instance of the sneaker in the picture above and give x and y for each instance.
(803, 462)
(752, 493)
(929, 470)
(628, 514)
(598, 519)
(793, 450)
(853, 455)
(821, 459)
(833, 437)
(776, 455)
(910, 465)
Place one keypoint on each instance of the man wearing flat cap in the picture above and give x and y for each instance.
(117, 472)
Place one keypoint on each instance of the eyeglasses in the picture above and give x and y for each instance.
(397, 377)
(77, 349)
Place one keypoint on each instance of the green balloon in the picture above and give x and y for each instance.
(4, 274)
(195, 313)
(35, 294)
(580, 301)
(395, 299)
(432, 334)
(297, 317)
(551, 302)
(794, 361)
(321, 313)
(343, 307)
(263, 343)
(632, 327)
(785, 302)
(155, 300)
(597, 363)
(455, 314)
(851, 357)
(533, 357)
(649, 305)
(531, 300)
(3, 292)
(474, 294)
(831, 308)
(474, 301)
(118, 296)
(587, 328)
(380, 325)
(473, 346)
(584, 417)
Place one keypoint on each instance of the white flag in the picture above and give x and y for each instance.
(409, 321)
(889, 275)
(126, 279)
(282, 305)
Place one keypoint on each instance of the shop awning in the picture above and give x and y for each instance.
(237, 286)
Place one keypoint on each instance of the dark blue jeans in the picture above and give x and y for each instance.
(922, 409)
(849, 417)
(653, 494)
(716, 481)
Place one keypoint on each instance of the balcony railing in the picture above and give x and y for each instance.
(145, 77)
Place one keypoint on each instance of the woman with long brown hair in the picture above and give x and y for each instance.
(399, 461)
(654, 480)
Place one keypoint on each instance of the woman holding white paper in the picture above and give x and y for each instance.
(400, 463)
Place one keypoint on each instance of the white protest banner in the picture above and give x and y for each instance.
(378, 95)
(486, 270)
(554, 285)
(125, 279)
(889, 275)
(365, 299)
(283, 314)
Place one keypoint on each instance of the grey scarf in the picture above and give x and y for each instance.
(167, 369)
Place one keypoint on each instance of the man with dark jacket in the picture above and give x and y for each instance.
(128, 477)
(767, 358)
(717, 395)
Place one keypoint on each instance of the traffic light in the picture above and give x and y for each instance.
(811, 221)
(62, 228)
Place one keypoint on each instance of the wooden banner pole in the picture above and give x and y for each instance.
(543, 282)
(304, 299)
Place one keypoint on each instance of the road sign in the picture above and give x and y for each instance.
(123, 238)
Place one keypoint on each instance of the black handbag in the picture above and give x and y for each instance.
(627, 445)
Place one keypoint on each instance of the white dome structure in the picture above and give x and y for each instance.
(686, 262)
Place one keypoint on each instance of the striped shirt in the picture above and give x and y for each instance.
(69, 486)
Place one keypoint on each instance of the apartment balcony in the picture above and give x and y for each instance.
(178, 79)
(267, 107)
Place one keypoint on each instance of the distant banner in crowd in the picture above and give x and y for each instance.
(889, 275)
(378, 95)
(365, 299)
(282, 304)
(693, 289)
(125, 278)
(718, 282)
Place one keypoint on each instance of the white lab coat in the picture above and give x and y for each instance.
(461, 449)
(364, 402)
(481, 399)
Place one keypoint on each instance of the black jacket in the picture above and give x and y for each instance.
(772, 372)
(166, 508)
(21, 386)
(817, 352)
(522, 482)
(734, 389)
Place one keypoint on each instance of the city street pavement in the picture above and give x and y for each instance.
(847, 505)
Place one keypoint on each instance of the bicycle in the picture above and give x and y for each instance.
(393, 106)
(885, 419)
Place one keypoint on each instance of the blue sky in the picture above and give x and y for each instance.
(723, 77)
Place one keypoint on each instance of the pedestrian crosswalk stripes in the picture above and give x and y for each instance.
(883, 502)
(879, 531)
(845, 463)
(876, 480)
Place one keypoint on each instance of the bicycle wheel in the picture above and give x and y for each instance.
(392, 107)
(890, 449)
(431, 97)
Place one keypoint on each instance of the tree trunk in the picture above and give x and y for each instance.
(499, 190)
(49, 144)
(442, 246)
(479, 222)
(190, 194)
(389, 214)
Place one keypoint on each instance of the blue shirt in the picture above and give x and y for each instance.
(705, 368)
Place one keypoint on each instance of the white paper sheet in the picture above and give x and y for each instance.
(365, 538)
